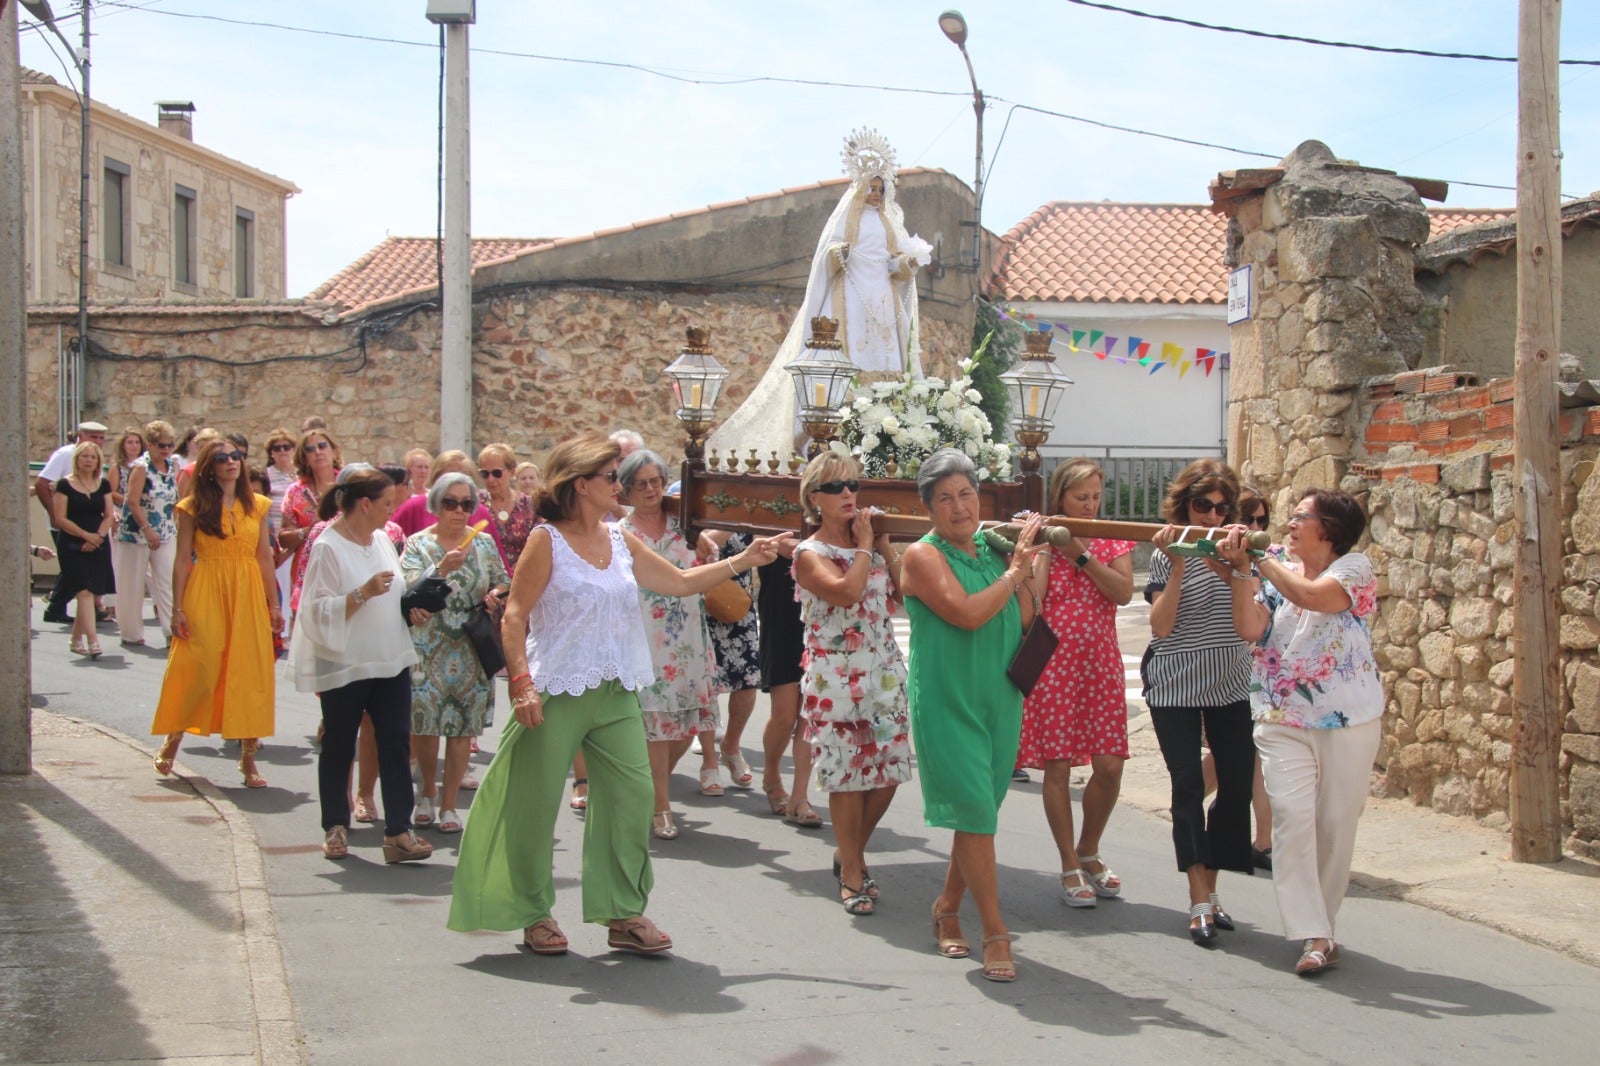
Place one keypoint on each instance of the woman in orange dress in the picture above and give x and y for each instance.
(219, 672)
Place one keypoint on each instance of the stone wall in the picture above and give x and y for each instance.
(1437, 482)
(548, 362)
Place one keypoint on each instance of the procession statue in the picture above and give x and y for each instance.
(863, 275)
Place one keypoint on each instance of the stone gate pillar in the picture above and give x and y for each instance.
(1330, 245)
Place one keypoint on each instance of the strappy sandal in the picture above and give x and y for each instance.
(364, 812)
(662, 826)
(94, 650)
(407, 847)
(78, 646)
(638, 935)
(711, 782)
(247, 754)
(545, 937)
(1221, 918)
(803, 815)
(577, 802)
(1106, 884)
(777, 800)
(1081, 894)
(857, 903)
(868, 885)
(169, 751)
(336, 842)
(950, 947)
(998, 971)
(1204, 934)
(738, 770)
(1315, 960)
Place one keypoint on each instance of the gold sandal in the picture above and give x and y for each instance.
(951, 947)
(998, 971)
(169, 752)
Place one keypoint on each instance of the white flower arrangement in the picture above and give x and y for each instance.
(903, 422)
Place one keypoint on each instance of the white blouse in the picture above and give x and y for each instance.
(329, 650)
(586, 627)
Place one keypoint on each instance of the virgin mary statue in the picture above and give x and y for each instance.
(863, 274)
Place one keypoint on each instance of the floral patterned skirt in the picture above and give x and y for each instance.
(860, 740)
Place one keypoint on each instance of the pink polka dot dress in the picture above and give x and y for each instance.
(1079, 708)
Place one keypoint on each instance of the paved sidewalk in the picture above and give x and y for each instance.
(126, 933)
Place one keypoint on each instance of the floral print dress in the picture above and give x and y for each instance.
(737, 644)
(853, 683)
(511, 526)
(683, 700)
(450, 694)
(1315, 670)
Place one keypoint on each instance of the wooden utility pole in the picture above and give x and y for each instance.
(1536, 684)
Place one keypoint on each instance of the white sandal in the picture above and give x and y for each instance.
(1080, 895)
(1106, 883)
(422, 812)
(449, 822)
(711, 782)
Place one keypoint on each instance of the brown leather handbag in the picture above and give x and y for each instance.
(1033, 654)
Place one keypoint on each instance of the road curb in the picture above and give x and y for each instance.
(280, 1040)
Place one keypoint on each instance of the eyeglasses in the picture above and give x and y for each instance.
(458, 503)
(1302, 516)
(282, 446)
(228, 457)
(1205, 505)
(609, 475)
(491, 473)
(648, 483)
(318, 446)
(834, 488)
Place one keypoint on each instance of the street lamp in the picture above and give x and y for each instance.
(72, 387)
(955, 28)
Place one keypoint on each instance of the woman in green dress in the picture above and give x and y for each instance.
(968, 607)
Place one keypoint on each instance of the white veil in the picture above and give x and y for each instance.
(768, 419)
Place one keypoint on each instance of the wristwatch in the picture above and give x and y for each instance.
(1081, 561)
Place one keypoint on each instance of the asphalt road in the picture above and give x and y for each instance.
(769, 968)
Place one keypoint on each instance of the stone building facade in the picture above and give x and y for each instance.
(1328, 391)
(168, 218)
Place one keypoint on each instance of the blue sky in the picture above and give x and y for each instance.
(562, 148)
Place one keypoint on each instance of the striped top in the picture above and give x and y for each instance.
(1202, 662)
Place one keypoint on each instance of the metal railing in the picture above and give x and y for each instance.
(1137, 476)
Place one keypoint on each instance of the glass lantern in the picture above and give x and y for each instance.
(1036, 385)
(822, 377)
(697, 379)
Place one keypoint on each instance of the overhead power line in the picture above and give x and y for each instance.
(1392, 50)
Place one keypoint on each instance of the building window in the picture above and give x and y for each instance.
(115, 213)
(244, 252)
(183, 237)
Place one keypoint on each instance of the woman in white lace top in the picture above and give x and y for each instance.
(575, 596)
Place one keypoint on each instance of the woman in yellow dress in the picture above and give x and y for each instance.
(219, 673)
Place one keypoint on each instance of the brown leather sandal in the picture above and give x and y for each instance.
(638, 935)
(545, 937)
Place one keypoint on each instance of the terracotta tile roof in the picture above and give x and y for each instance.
(34, 77)
(1106, 252)
(1447, 219)
(322, 312)
(405, 264)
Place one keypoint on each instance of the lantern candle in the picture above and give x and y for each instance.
(694, 396)
(822, 395)
(1033, 401)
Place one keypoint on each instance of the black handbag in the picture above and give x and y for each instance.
(483, 633)
(1033, 654)
(428, 593)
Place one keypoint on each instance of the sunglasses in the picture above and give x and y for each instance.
(834, 488)
(228, 457)
(609, 475)
(1259, 521)
(163, 443)
(284, 447)
(1301, 516)
(491, 473)
(1206, 506)
(648, 483)
(318, 446)
(457, 503)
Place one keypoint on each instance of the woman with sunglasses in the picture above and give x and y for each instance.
(1196, 674)
(575, 601)
(511, 513)
(1077, 713)
(280, 475)
(853, 685)
(451, 696)
(317, 461)
(1317, 699)
(147, 537)
(219, 671)
(682, 703)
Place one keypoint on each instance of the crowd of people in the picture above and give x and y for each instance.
(399, 592)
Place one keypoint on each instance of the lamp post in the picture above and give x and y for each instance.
(1036, 385)
(455, 287)
(955, 28)
(71, 401)
(821, 374)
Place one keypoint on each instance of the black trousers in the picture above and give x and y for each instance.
(60, 596)
(1218, 839)
(388, 701)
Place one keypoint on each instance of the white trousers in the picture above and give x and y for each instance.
(132, 565)
(1318, 780)
(285, 573)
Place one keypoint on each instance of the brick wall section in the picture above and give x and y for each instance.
(1437, 477)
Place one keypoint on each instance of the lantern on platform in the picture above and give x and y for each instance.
(822, 377)
(1036, 385)
(697, 378)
